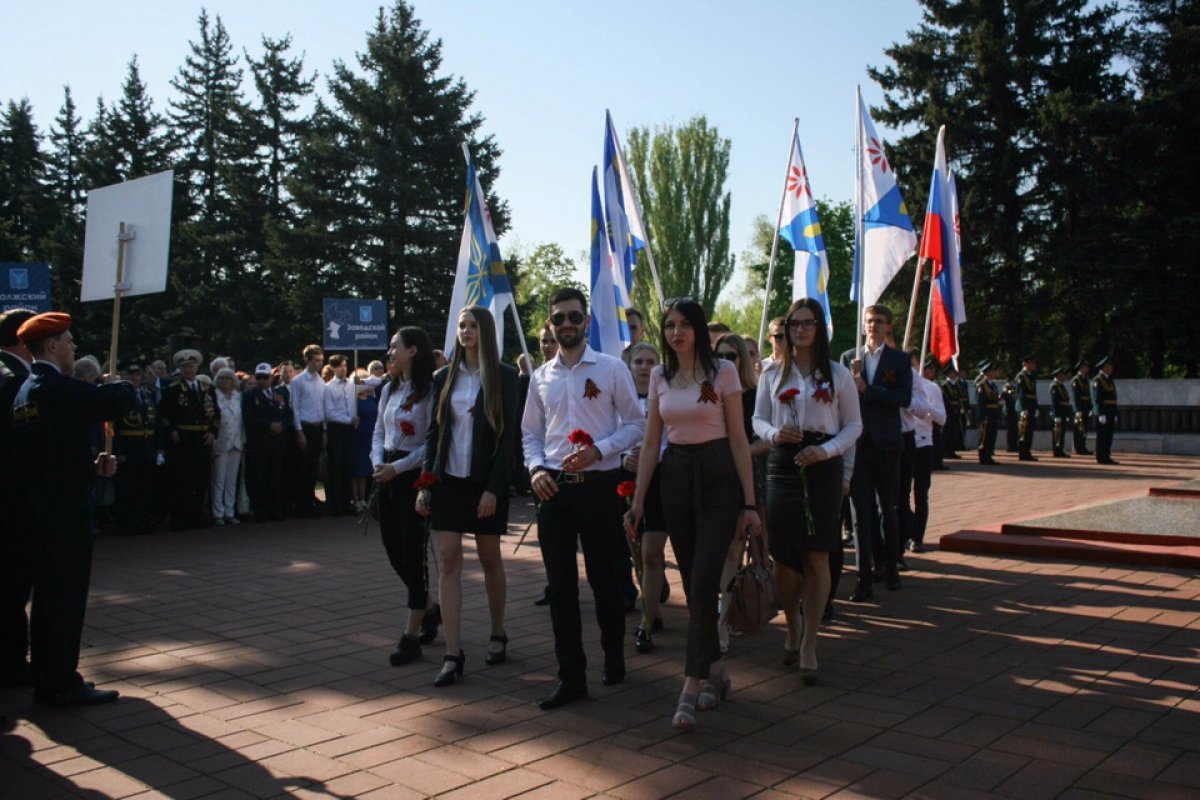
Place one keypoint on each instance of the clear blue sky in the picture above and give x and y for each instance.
(543, 73)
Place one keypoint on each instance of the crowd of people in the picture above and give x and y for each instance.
(698, 441)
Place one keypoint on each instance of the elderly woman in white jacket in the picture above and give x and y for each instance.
(227, 449)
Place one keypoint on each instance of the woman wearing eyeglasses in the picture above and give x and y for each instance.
(469, 450)
(807, 407)
(696, 399)
(732, 348)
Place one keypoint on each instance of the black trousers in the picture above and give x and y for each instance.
(702, 500)
(264, 475)
(404, 534)
(314, 439)
(16, 583)
(876, 473)
(1059, 435)
(339, 466)
(1026, 425)
(1010, 430)
(61, 545)
(1104, 437)
(190, 462)
(915, 476)
(134, 489)
(1080, 432)
(989, 425)
(588, 513)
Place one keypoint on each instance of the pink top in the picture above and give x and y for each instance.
(696, 414)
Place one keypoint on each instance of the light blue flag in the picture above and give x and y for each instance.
(480, 279)
(609, 330)
(802, 230)
(626, 231)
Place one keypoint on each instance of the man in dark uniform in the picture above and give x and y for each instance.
(267, 415)
(1025, 384)
(189, 423)
(52, 417)
(1081, 396)
(16, 568)
(1104, 405)
(964, 408)
(1008, 398)
(952, 433)
(136, 446)
(1061, 411)
(987, 400)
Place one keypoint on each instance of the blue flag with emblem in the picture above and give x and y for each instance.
(609, 329)
(480, 279)
(802, 230)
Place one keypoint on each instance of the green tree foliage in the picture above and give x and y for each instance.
(546, 269)
(26, 212)
(679, 175)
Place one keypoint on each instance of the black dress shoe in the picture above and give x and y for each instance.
(893, 580)
(429, 624)
(917, 547)
(544, 600)
(1085, 453)
(495, 657)
(83, 695)
(1024, 457)
(613, 676)
(447, 676)
(863, 592)
(901, 565)
(642, 641)
(563, 693)
(1107, 461)
(406, 652)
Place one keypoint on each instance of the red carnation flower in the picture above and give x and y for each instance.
(789, 395)
(407, 428)
(626, 488)
(424, 480)
(581, 438)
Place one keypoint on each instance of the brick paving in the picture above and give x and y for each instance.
(253, 664)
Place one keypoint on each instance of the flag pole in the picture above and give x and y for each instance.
(637, 205)
(928, 319)
(858, 220)
(762, 326)
(912, 305)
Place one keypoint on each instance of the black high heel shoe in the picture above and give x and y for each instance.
(495, 657)
(429, 624)
(446, 678)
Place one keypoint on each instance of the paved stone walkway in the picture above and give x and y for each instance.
(253, 663)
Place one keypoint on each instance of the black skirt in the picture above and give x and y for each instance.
(455, 504)
(652, 513)
(787, 522)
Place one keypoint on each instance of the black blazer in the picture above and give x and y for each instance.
(491, 460)
(890, 391)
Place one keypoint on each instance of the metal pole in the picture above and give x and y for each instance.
(123, 237)
(858, 218)
(928, 318)
(762, 326)
(912, 305)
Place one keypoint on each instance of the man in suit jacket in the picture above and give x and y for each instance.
(883, 377)
(53, 415)
(16, 569)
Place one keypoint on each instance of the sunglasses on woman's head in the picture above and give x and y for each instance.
(678, 301)
(576, 318)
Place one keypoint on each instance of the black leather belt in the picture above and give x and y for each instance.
(394, 455)
(815, 437)
(590, 476)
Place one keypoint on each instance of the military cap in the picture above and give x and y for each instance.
(1063, 370)
(1028, 357)
(930, 363)
(1080, 364)
(10, 322)
(985, 365)
(41, 326)
(951, 368)
(186, 355)
(1102, 362)
(131, 365)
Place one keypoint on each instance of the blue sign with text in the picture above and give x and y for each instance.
(355, 324)
(24, 286)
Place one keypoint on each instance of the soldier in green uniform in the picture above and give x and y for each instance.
(53, 414)
(987, 399)
(952, 436)
(964, 407)
(136, 446)
(1008, 397)
(190, 419)
(1026, 406)
(1104, 405)
(1061, 411)
(1081, 397)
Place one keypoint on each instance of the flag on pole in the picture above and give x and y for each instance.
(480, 279)
(609, 330)
(626, 231)
(802, 230)
(888, 237)
(939, 244)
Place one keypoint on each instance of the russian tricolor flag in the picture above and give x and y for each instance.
(939, 244)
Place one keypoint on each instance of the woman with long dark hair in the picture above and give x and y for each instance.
(807, 407)
(397, 451)
(469, 451)
(696, 399)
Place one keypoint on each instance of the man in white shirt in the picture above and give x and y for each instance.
(926, 409)
(308, 408)
(341, 417)
(580, 390)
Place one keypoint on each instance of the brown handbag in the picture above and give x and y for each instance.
(754, 595)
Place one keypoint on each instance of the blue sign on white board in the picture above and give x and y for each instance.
(355, 324)
(24, 286)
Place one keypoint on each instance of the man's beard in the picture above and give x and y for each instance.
(568, 341)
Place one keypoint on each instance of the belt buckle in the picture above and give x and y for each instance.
(572, 477)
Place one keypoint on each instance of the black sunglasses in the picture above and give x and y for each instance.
(728, 356)
(777, 336)
(576, 318)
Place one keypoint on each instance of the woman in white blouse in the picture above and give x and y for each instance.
(397, 449)
(807, 407)
(227, 449)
